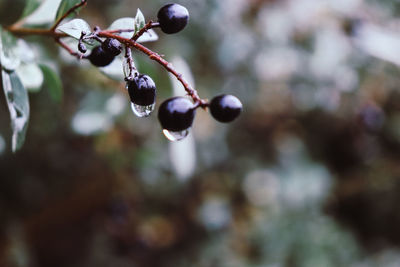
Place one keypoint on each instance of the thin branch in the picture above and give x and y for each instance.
(168, 66)
(69, 49)
(118, 31)
(29, 31)
(46, 32)
(128, 57)
(70, 11)
(18, 23)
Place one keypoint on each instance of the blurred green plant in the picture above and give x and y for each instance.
(308, 176)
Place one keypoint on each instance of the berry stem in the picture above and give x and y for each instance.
(128, 57)
(69, 49)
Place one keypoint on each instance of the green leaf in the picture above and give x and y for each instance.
(123, 24)
(115, 69)
(52, 82)
(18, 105)
(25, 52)
(148, 36)
(10, 11)
(139, 20)
(8, 51)
(65, 6)
(75, 27)
(130, 23)
(44, 14)
(97, 112)
(30, 7)
(31, 76)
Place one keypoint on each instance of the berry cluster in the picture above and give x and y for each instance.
(102, 55)
(175, 114)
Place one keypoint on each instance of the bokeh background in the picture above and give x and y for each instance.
(307, 176)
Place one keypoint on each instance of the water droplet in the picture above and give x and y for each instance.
(176, 136)
(142, 111)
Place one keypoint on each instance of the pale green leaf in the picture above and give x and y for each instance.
(30, 7)
(74, 28)
(149, 36)
(31, 76)
(115, 69)
(139, 20)
(130, 24)
(25, 52)
(44, 14)
(65, 5)
(97, 112)
(18, 105)
(52, 83)
(8, 51)
(124, 24)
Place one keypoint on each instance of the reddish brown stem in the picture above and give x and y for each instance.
(128, 57)
(118, 31)
(69, 49)
(28, 31)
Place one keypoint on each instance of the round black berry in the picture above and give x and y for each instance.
(142, 90)
(173, 18)
(82, 48)
(352, 26)
(100, 58)
(112, 46)
(225, 108)
(176, 114)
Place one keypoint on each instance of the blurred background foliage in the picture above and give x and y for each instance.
(307, 176)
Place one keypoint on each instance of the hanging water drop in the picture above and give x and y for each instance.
(142, 111)
(175, 136)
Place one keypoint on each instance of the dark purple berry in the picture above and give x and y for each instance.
(176, 114)
(112, 46)
(173, 18)
(225, 108)
(352, 26)
(100, 58)
(371, 118)
(142, 90)
(82, 48)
